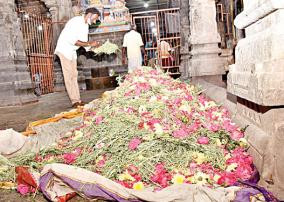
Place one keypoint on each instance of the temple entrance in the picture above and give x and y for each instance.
(37, 35)
(160, 30)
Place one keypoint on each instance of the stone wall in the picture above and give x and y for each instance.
(89, 61)
(257, 78)
(15, 82)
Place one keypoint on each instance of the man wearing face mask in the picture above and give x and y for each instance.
(73, 36)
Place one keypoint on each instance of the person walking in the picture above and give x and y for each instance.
(134, 46)
(73, 36)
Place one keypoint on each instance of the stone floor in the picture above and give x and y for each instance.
(13, 196)
(19, 117)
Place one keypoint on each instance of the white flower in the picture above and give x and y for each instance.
(216, 178)
(153, 99)
(185, 108)
(142, 109)
(165, 98)
(153, 82)
(228, 156)
(232, 167)
(158, 129)
(200, 178)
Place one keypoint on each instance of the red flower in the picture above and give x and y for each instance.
(161, 176)
(69, 158)
(141, 125)
(38, 158)
(227, 179)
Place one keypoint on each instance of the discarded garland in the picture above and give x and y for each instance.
(152, 131)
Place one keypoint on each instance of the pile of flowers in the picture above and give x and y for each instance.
(107, 48)
(153, 131)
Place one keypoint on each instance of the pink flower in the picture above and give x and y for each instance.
(181, 133)
(134, 143)
(203, 140)
(213, 127)
(193, 165)
(227, 179)
(100, 145)
(236, 135)
(69, 158)
(130, 110)
(99, 119)
(23, 189)
(77, 151)
(229, 126)
(101, 163)
(132, 170)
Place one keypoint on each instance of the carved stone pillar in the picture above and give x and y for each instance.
(15, 82)
(185, 32)
(257, 78)
(205, 62)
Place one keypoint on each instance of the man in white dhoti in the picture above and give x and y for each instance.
(132, 42)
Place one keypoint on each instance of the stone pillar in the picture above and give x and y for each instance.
(257, 78)
(205, 62)
(15, 82)
(185, 32)
(175, 3)
(61, 11)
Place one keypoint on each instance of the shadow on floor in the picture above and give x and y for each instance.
(18, 117)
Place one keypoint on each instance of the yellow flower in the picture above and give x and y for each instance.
(178, 179)
(232, 167)
(243, 142)
(138, 186)
(125, 177)
(51, 159)
(199, 158)
(218, 142)
(156, 112)
(87, 123)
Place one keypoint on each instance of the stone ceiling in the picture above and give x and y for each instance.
(138, 5)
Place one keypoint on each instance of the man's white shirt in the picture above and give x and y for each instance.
(133, 42)
(74, 30)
